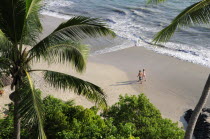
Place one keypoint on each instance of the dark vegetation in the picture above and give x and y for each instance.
(133, 117)
(202, 128)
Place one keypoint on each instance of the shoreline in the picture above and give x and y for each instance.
(116, 44)
(172, 92)
(177, 89)
(172, 85)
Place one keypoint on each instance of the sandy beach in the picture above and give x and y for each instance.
(172, 85)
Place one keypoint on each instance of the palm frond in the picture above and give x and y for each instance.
(80, 87)
(30, 107)
(20, 23)
(66, 52)
(12, 16)
(81, 26)
(5, 47)
(5, 63)
(32, 6)
(198, 13)
(75, 29)
(5, 44)
(32, 29)
(32, 25)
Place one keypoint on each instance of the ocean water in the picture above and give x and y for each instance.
(136, 22)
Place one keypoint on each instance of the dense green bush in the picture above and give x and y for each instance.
(64, 121)
(133, 117)
(6, 124)
(6, 128)
(147, 120)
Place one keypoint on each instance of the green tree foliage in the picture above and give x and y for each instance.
(64, 121)
(133, 117)
(6, 124)
(147, 120)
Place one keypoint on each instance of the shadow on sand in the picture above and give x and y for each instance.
(125, 83)
(184, 122)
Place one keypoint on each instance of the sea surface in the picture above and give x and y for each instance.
(135, 23)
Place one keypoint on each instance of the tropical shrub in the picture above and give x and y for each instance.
(146, 119)
(6, 128)
(133, 117)
(65, 121)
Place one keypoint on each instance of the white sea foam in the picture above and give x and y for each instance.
(182, 52)
(132, 27)
(57, 3)
(126, 44)
(125, 28)
(197, 59)
(201, 57)
(54, 14)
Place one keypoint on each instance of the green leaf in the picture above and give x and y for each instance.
(30, 107)
(80, 87)
(32, 29)
(81, 26)
(66, 52)
(5, 44)
(32, 6)
(75, 29)
(5, 53)
(5, 64)
(32, 25)
(195, 14)
(12, 19)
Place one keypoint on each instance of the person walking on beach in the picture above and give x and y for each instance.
(144, 75)
(140, 75)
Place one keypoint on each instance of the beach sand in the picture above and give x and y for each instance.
(172, 85)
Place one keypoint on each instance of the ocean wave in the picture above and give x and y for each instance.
(110, 21)
(56, 14)
(138, 13)
(183, 52)
(189, 56)
(194, 56)
(120, 12)
(137, 24)
(126, 44)
(57, 3)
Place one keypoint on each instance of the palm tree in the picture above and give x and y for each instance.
(196, 14)
(197, 110)
(20, 27)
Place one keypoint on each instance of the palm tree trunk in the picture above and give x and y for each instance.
(16, 114)
(197, 110)
(16, 120)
